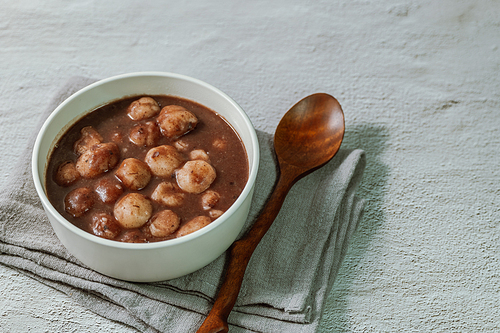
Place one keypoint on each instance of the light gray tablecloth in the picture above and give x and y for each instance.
(418, 82)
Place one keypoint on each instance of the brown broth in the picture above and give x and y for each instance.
(231, 163)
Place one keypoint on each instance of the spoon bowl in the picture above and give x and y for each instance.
(307, 137)
(311, 132)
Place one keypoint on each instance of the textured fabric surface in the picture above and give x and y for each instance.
(287, 281)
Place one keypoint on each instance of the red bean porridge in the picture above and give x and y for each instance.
(146, 169)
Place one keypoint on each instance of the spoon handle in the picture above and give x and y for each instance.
(240, 254)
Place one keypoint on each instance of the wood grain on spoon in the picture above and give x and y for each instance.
(307, 137)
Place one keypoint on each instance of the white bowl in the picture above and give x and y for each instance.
(149, 261)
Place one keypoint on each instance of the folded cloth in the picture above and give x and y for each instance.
(287, 280)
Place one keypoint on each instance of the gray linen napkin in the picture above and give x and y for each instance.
(286, 283)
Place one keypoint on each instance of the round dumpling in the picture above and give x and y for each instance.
(89, 137)
(166, 194)
(163, 160)
(79, 201)
(98, 159)
(133, 210)
(108, 189)
(66, 174)
(164, 223)
(175, 121)
(105, 226)
(193, 225)
(134, 173)
(195, 176)
(209, 199)
(145, 135)
(143, 108)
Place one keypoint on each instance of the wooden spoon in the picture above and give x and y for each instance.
(307, 137)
